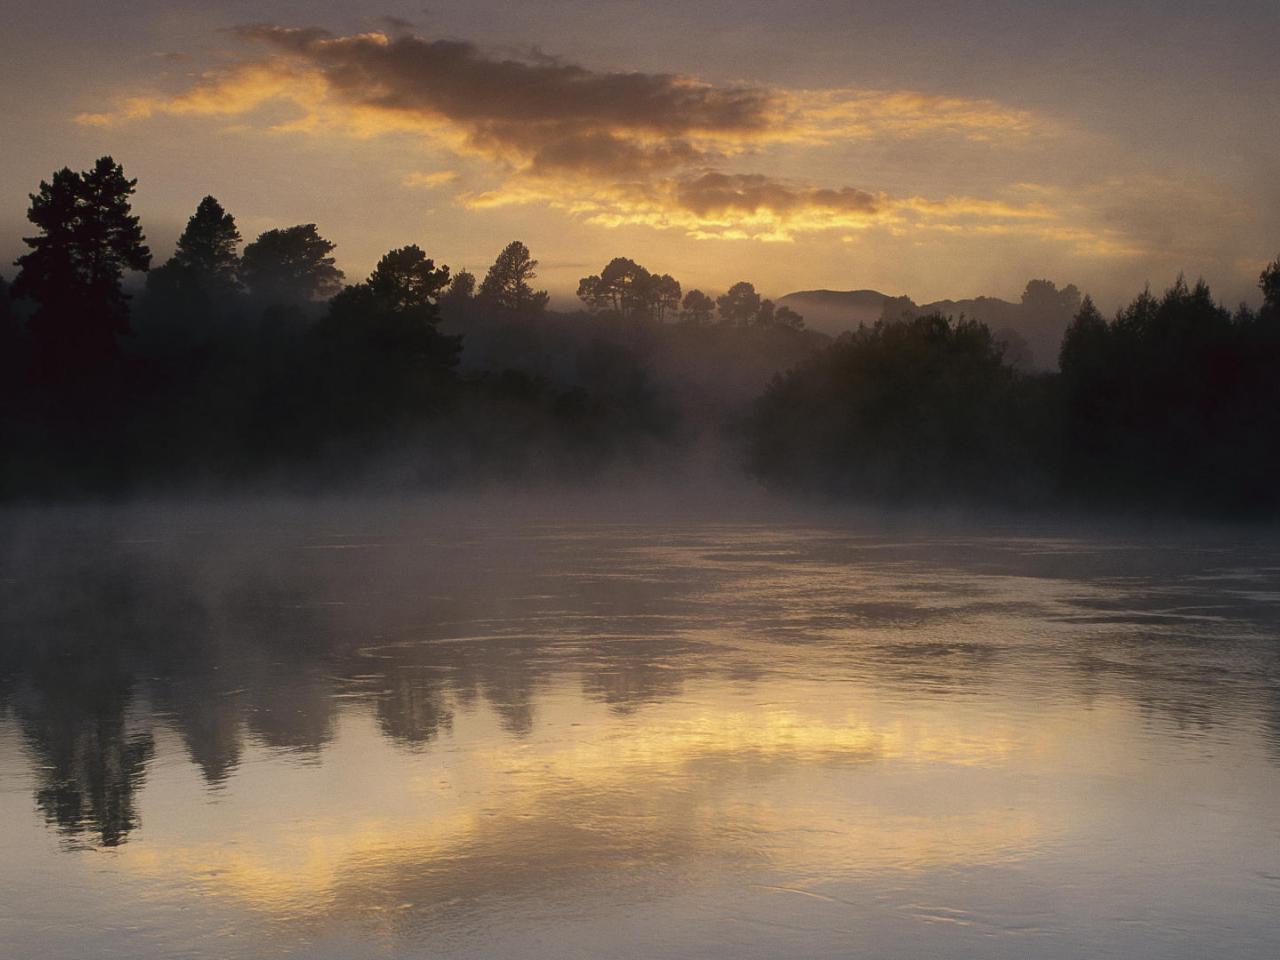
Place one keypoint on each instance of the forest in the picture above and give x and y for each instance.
(260, 365)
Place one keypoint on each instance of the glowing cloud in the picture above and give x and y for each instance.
(616, 148)
(429, 181)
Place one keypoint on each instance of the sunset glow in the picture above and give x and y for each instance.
(900, 170)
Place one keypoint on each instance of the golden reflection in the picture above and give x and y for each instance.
(773, 787)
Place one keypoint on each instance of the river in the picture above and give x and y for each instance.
(414, 729)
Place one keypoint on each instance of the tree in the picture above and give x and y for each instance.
(406, 278)
(697, 308)
(665, 296)
(629, 290)
(202, 275)
(381, 341)
(461, 289)
(1042, 320)
(1044, 297)
(10, 338)
(458, 301)
(1084, 341)
(764, 315)
(1269, 283)
(899, 308)
(921, 406)
(291, 265)
(6, 310)
(206, 259)
(506, 286)
(786, 317)
(622, 287)
(88, 238)
(739, 305)
(1172, 400)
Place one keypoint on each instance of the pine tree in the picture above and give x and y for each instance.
(88, 238)
(407, 278)
(291, 265)
(207, 248)
(506, 286)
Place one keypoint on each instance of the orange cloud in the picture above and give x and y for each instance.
(754, 206)
(613, 147)
(429, 181)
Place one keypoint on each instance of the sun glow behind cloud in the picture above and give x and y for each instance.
(617, 149)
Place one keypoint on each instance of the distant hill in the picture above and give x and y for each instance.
(835, 311)
(1032, 328)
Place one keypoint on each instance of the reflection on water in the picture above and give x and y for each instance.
(339, 731)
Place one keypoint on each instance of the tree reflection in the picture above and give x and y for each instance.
(74, 714)
(237, 648)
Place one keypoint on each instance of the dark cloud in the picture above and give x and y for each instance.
(455, 80)
(722, 194)
(604, 154)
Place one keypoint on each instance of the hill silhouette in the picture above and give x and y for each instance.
(835, 311)
(1031, 329)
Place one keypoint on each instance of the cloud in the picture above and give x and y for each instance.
(429, 181)
(613, 147)
(754, 206)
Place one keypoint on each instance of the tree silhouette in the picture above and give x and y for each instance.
(381, 340)
(739, 305)
(1043, 296)
(11, 359)
(784, 316)
(666, 296)
(405, 279)
(200, 279)
(619, 288)
(1174, 400)
(919, 406)
(461, 289)
(206, 262)
(1269, 283)
(764, 314)
(291, 265)
(506, 286)
(88, 238)
(627, 289)
(7, 331)
(1085, 340)
(697, 308)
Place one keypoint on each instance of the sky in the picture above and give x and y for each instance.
(915, 147)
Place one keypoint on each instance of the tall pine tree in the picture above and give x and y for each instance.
(506, 286)
(206, 263)
(88, 238)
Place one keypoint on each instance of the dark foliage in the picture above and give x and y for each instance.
(1176, 402)
(292, 265)
(507, 289)
(1172, 405)
(918, 407)
(262, 367)
(87, 239)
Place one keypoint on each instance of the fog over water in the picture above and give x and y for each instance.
(633, 723)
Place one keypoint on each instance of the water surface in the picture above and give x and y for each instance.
(401, 730)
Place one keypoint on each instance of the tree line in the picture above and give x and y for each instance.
(244, 361)
(1172, 404)
(626, 289)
